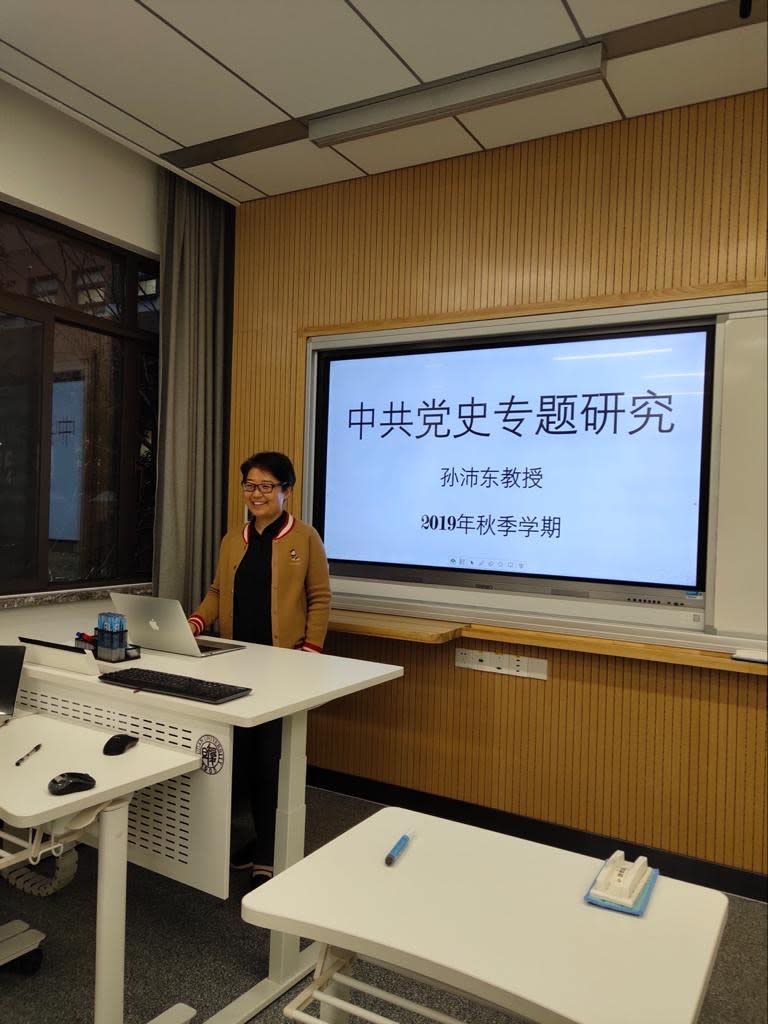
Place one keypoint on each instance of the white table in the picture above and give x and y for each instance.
(500, 919)
(26, 803)
(196, 818)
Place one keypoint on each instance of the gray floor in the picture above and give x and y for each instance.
(192, 948)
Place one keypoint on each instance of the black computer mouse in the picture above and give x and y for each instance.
(119, 743)
(70, 782)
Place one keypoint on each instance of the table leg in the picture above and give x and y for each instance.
(287, 965)
(110, 914)
(289, 831)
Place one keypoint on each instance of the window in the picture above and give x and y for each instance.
(78, 408)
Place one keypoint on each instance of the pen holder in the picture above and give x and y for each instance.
(112, 645)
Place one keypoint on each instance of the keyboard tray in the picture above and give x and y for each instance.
(186, 687)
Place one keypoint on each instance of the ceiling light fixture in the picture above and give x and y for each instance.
(431, 102)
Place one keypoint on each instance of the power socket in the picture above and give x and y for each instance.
(501, 664)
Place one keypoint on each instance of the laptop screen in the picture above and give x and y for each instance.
(11, 661)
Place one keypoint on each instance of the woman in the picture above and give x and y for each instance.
(271, 587)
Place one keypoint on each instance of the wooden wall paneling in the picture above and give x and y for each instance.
(652, 197)
(708, 226)
(662, 206)
(661, 818)
(537, 716)
(497, 774)
(608, 754)
(735, 161)
(756, 245)
(668, 181)
(758, 788)
(660, 705)
(736, 820)
(562, 782)
(650, 793)
(486, 231)
(718, 714)
(723, 172)
(723, 847)
(613, 750)
(760, 791)
(676, 778)
(693, 813)
(704, 769)
(544, 699)
(643, 185)
(750, 837)
(585, 711)
(633, 762)
(510, 746)
(526, 201)
(585, 224)
(594, 189)
(700, 151)
(623, 186)
(720, 201)
(591, 738)
(705, 779)
(720, 799)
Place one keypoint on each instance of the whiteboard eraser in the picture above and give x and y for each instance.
(747, 655)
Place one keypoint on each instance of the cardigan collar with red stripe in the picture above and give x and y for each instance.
(287, 526)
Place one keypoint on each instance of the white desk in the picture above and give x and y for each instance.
(192, 817)
(25, 802)
(502, 920)
(194, 820)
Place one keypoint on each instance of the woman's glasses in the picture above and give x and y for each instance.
(266, 488)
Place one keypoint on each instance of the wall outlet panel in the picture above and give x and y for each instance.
(501, 663)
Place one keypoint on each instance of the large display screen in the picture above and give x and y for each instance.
(567, 458)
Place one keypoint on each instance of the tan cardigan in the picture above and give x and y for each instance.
(301, 589)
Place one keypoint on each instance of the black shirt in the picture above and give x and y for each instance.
(252, 621)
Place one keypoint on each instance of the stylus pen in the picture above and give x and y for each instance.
(29, 753)
(398, 848)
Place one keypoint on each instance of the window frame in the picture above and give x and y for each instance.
(135, 344)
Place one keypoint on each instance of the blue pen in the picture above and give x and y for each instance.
(398, 848)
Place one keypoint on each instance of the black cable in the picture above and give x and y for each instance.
(745, 8)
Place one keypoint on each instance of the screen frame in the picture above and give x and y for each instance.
(558, 585)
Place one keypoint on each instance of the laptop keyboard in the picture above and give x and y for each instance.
(175, 686)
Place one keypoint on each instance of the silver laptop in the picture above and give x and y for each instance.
(159, 624)
(11, 661)
(72, 659)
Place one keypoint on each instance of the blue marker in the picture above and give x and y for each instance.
(398, 848)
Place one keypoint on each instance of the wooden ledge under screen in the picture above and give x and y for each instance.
(437, 631)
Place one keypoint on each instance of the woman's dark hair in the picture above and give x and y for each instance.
(279, 465)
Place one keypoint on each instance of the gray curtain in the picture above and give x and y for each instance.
(194, 359)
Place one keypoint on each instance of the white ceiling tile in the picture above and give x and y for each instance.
(419, 144)
(47, 85)
(596, 17)
(225, 182)
(536, 116)
(291, 167)
(722, 64)
(439, 38)
(306, 55)
(124, 54)
(118, 67)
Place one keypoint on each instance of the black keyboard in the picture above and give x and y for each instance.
(175, 686)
